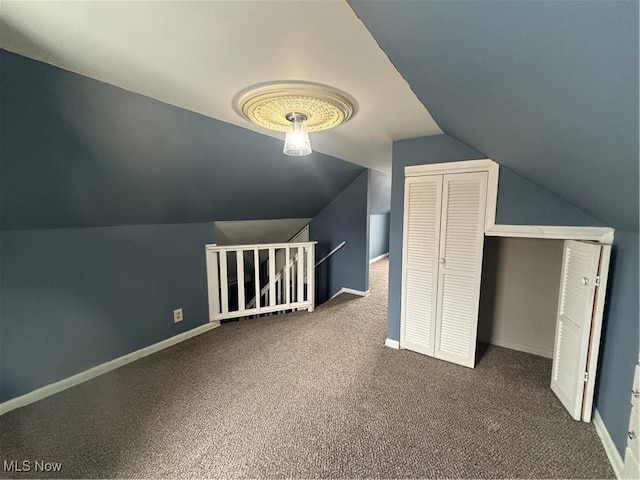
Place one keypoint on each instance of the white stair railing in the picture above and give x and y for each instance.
(292, 288)
(292, 267)
(291, 264)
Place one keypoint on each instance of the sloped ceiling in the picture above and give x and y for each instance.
(549, 89)
(79, 153)
(201, 55)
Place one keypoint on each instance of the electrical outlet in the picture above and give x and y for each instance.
(177, 315)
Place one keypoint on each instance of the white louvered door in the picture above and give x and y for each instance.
(573, 323)
(460, 264)
(443, 242)
(420, 262)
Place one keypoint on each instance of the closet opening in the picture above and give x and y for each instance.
(519, 295)
(467, 280)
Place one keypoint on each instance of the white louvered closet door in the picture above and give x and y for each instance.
(573, 323)
(460, 264)
(420, 262)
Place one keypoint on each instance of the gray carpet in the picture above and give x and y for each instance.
(309, 396)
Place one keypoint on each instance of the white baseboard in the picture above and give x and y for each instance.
(98, 370)
(360, 293)
(392, 343)
(615, 459)
(542, 352)
(355, 292)
(380, 257)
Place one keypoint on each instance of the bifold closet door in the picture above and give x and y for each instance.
(461, 244)
(578, 284)
(422, 207)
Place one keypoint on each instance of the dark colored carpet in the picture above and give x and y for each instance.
(308, 396)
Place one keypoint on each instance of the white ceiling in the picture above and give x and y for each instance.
(200, 55)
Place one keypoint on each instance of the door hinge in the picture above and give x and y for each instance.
(586, 377)
(598, 281)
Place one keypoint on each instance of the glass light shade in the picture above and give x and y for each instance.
(296, 142)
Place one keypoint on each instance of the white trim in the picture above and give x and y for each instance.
(491, 206)
(265, 246)
(602, 235)
(355, 292)
(379, 257)
(311, 277)
(280, 307)
(213, 282)
(360, 293)
(98, 370)
(392, 343)
(466, 166)
(450, 167)
(615, 459)
(304, 230)
(596, 331)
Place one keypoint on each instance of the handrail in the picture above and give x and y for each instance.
(265, 289)
(287, 289)
(261, 246)
(339, 247)
(278, 276)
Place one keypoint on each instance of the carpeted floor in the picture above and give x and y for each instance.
(308, 396)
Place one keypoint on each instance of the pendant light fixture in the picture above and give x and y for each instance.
(296, 141)
(297, 108)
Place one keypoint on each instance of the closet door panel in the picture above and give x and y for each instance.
(461, 244)
(573, 324)
(456, 336)
(420, 262)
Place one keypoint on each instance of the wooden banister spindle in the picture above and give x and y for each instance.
(240, 276)
(256, 276)
(287, 276)
(272, 277)
(224, 287)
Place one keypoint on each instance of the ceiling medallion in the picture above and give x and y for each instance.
(268, 105)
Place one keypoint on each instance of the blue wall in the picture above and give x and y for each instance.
(620, 332)
(548, 89)
(75, 298)
(378, 235)
(619, 346)
(345, 218)
(379, 193)
(107, 199)
(77, 152)
(510, 79)
(379, 211)
(521, 202)
(513, 191)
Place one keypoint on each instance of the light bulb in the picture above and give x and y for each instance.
(296, 142)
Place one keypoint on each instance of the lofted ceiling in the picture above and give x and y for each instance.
(548, 89)
(201, 55)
